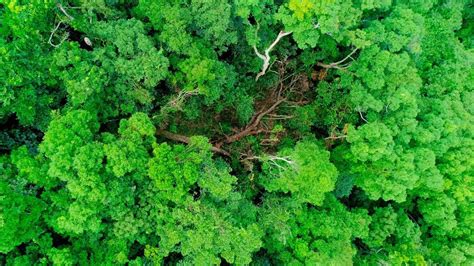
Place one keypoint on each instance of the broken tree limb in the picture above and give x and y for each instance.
(50, 40)
(341, 65)
(184, 139)
(252, 127)
(64, 11)
(266, 56)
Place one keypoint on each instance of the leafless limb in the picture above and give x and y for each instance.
(64, 11)
(184, 139)
(279, 117)
(175, 103)
(286, 159)
(274, 160)
(341, 64)
(50, 40)
(181, 97)
(361, 116)
(336, 137)
(266, 56)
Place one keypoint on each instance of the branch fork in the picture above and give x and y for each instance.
(266, 55)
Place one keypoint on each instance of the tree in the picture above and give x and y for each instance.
(305, 171)
(295, 132)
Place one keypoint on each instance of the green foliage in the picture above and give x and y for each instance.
(65, 135)
(136, 133)
(129, 153)
(122, 70)
(305, 171)
(24, 60)
(32, 168)
(20, 209)
(301, 235)
(383, 225)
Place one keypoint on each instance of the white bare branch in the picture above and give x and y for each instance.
(286, 159)
(266, 56)
(64, 11)
(362, 116)
(50, 40)
(277, 161)
(341, 64)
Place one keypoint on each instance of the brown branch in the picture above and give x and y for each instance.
(251, 128)
(256, 125)
(184, 139)
(362, 116)
(335, 137)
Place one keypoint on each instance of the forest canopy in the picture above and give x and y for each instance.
(244, 132)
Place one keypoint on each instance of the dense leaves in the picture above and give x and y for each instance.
(295, 132)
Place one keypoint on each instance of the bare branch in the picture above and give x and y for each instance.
(88, 41)
(259, 54)
(361, 116)
(335, 137)
(280, 117)
(251, 128)
(341, 65)
(64, 11)
(175, 103)
(50, 40)
(266, 57)
(279, 158)
(347, 57)
(274, 160)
